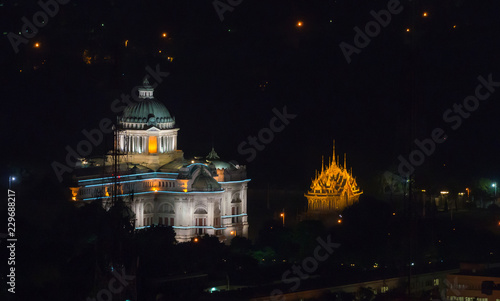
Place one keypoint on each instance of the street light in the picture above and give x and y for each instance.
(283, 216)
(494, 185)
(11, 179)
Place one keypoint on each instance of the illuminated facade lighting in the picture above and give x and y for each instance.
(209, 197)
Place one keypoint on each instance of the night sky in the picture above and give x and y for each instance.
(227, 76)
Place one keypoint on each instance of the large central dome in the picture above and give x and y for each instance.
(147, 112)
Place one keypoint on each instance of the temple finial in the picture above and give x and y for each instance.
(345, 160)
(322, 163)
(334, 150)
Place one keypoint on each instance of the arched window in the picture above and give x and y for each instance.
(200, 220)
(166, 211)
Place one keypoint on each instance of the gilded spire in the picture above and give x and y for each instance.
(334, 151)
(322, 163)
(345, 160)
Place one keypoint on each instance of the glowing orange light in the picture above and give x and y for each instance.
(454, 26)
(153, 144)
(185, 190)
(339, 221)
(394, 213)
(424, 14)
(196, 239)
(299, 24)
(73, 198)
(499, 223)
(282, 214)
(164, 35)
(126, 43)
(233, 233)
(155, 189)
(37, 45)
(407, 30)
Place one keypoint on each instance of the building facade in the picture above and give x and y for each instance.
(147, 171)
(474, 282)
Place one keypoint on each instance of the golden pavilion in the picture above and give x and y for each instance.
(333, 189)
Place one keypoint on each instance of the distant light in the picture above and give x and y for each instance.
(37, 45)
(232, 233)
(412, 264)
(445, 192)
(331, 20)
(299, 24)
(195, 239)
(282, 214)
(454, 26)
(229, 30)
(13, 178)
(494, 185)
(74, 198)
(102, 24)
(423, 190)
(126, 43)
(164, 35)
(339, 221)
(394, 213)
(159, 51)
(424, 14)
(213, 289)
(407, 30)
(461, 193)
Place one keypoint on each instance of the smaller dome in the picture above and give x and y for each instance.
(205, 182)
(214, 158)
(222, 164)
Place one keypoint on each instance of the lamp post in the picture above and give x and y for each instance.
(494, 185)
(11, 179)
(283, 216)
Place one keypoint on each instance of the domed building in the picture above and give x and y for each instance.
(195, 197)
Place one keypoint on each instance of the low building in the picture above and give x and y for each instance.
(474, 282)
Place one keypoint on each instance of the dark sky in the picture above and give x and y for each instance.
(395, 90)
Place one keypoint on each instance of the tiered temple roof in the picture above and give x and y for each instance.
(334, 188)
